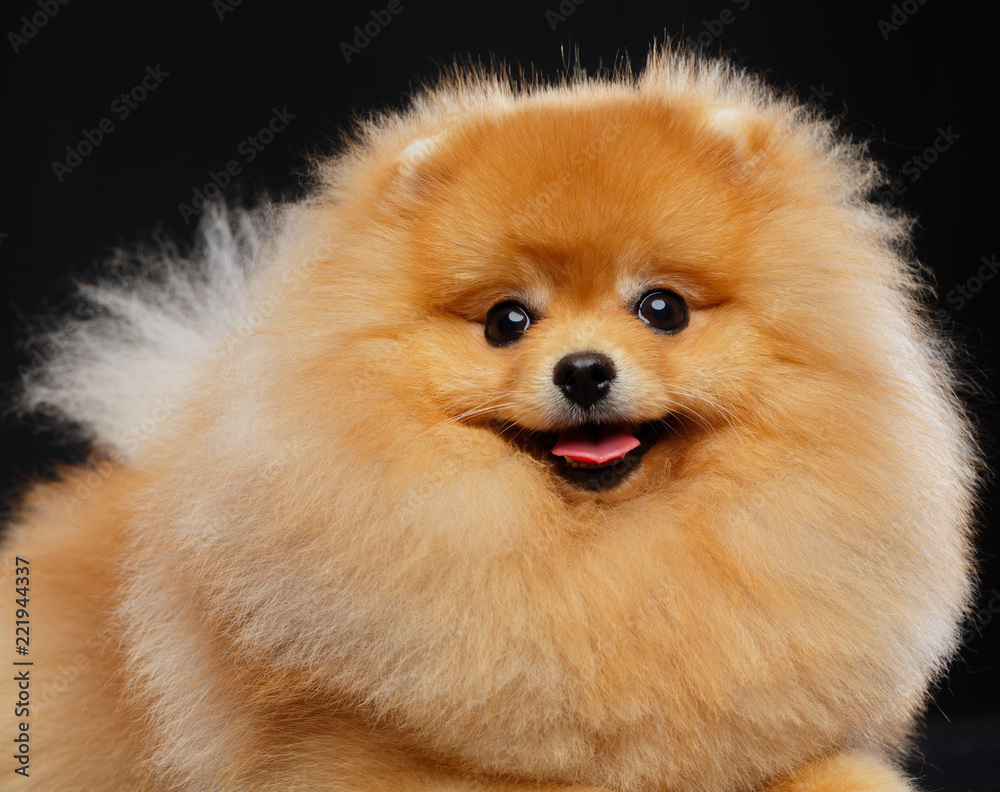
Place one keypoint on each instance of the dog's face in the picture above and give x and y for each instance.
(584, 303)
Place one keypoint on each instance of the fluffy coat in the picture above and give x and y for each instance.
(320, 548)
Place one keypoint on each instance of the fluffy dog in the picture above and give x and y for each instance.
(572, 436)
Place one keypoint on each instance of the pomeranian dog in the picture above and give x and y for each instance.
(574, 436)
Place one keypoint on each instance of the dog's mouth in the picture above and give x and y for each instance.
(594, 445)
(592, 456)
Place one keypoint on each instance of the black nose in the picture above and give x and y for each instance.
(584, 377)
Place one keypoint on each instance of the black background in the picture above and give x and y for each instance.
(898, 74)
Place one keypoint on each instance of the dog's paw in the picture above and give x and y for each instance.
(845, 773)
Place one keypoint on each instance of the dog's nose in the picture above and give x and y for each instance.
(584, 377)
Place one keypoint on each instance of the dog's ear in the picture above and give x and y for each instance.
(417, 152)
(417, 169)
(742, 127)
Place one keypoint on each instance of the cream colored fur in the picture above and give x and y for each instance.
(333, 567)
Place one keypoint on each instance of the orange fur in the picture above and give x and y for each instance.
(336, 566)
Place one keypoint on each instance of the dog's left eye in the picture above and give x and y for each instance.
(506, 323)
(665, 310)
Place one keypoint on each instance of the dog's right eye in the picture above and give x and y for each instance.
(506, 323)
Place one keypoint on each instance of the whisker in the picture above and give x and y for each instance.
(728, 415)
(493, 403)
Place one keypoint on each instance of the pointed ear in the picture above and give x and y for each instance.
(742, 127)
(418, 152)
(418, 170)
(413, 173)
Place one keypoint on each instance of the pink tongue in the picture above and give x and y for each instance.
(594, 444)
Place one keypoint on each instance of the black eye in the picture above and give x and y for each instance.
(506, 323)
(663, 310)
